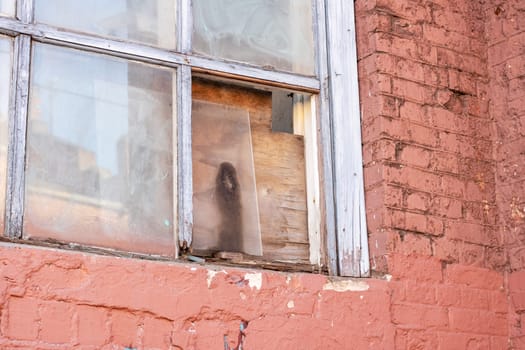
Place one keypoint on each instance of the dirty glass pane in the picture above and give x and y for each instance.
(5, 77)
(226, 215)
(150, 22)
(99, 151)
(7, 8)
(275, 34)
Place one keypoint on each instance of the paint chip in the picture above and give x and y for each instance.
(211, 275)
(290, 304)
(346, 286)
(254, 280)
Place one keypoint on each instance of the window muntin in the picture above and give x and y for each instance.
(5, 79)
(147, 22)
(7, 8)
(268, 33)
(99, 151)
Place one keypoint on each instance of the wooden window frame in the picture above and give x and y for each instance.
(335, 86)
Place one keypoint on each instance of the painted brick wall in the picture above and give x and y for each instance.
(506, 59)
(430, 171)
(435, 81)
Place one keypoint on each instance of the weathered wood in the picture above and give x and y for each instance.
(311, 155)
(280, 172)
(184, 163)
(17, 137)
(149, 54)
(351, 230)
(24, 10)
(184, 26)
(324, 123)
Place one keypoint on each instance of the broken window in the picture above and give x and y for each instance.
(202, 129)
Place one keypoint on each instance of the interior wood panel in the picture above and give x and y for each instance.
(279, 170)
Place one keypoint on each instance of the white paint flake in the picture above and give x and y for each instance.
(346, 286)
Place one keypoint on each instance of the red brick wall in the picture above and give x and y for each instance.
(506, 60)
(434, 77)
(430, 171)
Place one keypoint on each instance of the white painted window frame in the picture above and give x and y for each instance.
(336, 105)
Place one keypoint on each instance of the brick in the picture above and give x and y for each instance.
(93, 327)
(415, 268)
(411, 91)
(476, 321)
(415, 156)
(417, 201)
(56, 321)
(463, 341)
(518, 300)
(23, 319)
(474, 277)
(452, 186)
(124, 327)
(420, 293)
(499, 343)
(157, 333)
(470, 232)
(408, 243)
(445, 162)
(499, 301)
(419, 317)
(447, 295)
(474, 298)
(414, 112)
(424, 339)
(446, 207)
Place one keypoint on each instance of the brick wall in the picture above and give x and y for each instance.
(440, 90)
(506, 59)
(430, 171)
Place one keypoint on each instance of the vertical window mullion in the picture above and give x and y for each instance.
(24, 10)
(184, 152)
(17, 137)
(184, 164)
(326, 139)
(185, 26)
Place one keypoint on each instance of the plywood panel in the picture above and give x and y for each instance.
(279, 171)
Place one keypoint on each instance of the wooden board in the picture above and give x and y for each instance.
(279, 172)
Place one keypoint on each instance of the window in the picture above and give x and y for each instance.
(222, 129)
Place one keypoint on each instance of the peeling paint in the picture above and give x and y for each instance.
(290, 304)
(211, 275)
(254, 280)
(388, 277)
(346, 286)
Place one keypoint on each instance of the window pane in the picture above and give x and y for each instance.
(5, 78)
(249, 181)
(272, 33)
(99, 152)
(149, 22)
(7, 7)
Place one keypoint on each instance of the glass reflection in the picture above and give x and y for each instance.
(7, 8)
(149, 22)
(99, 151)
(276, 34)
(5, 78)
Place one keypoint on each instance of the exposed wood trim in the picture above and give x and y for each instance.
(325, 126)
(346, 132)
(312, 178)
(236, 70)
(184, 163)
(17, 137)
